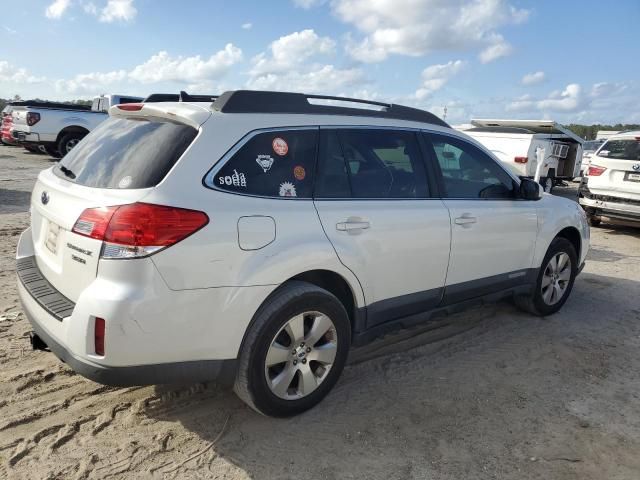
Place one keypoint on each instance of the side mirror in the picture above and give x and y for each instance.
(530, 189)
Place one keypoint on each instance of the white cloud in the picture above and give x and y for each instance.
(500, 48)
(569, 100)
(118, 10)
(435, 77)
(9, 30)
(195, 71)
(523, 103)
(307, 4)
(91, 83)
(291, 51)
(247, 26)
(162, 67)
(320, 79)
(90, 8)
(57, 8)
(533, 78)
(417, 27)
(11, 74)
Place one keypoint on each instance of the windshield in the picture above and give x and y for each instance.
(126, 153)
(592, 146)
(621, 149)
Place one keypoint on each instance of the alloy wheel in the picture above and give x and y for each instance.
(301, 355)
(556, 278)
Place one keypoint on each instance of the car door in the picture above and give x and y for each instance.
(493, 232)
(373, 199)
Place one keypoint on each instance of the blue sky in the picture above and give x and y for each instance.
(570, 60)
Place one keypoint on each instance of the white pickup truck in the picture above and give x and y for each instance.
(59, 129)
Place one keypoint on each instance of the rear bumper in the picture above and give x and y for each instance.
(612, 209)
(222, 371)
(25, 137)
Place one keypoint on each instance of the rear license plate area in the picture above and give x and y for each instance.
(51, 239)
(632, 177)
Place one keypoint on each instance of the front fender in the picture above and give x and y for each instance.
(554, 215)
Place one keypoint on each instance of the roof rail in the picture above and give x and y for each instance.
(185, 97)
(255, 101)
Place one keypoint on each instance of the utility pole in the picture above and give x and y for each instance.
(444, 117)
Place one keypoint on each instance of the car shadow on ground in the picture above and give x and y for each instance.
(14, 201)
(502, 388)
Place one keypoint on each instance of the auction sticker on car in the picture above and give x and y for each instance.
(632, 177)
(280, 146)
(51, 241)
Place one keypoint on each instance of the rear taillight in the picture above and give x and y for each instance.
(138, 229)
(32, 118)
(98, 336)
(595, 171)
(521, 159)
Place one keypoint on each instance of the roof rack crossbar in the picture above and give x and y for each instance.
(254, 101)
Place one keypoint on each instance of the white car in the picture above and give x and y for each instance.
(257, 239)
(57, 128)
(611, 185)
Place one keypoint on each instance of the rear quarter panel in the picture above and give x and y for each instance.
(212, 256)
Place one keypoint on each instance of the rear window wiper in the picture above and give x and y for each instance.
(67, 172)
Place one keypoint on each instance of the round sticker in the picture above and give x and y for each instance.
(280, 146)
(125, 182)
(299, 172)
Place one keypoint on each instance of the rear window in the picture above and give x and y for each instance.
(126, 154)
(621, 149)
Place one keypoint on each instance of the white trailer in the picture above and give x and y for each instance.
(516, 143)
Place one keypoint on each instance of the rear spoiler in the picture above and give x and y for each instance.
(180, 97)
(183, 112)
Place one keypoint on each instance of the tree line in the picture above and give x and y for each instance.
(589, 132)
(17, 98)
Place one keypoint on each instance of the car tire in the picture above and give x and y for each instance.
(296, 312)
(52, 151)
(554, 282)
(547, 184)
(68, 141)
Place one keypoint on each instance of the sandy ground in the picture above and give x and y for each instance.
(493, 393)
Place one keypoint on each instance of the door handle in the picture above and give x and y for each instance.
(351, 225)
(466, 220)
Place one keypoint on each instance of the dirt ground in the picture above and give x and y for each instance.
(492, 393)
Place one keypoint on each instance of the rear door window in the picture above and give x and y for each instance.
(371, 163)
(272, 164)
(125, 153)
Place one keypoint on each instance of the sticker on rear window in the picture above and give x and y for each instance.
(280, 146)
(287, 189)
(265, 162)
(237, 180)
(124, 182)
(299, 172)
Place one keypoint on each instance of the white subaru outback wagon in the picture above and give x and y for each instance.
(256, 239)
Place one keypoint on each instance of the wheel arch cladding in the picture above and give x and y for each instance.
(71, 129)
(335, 284)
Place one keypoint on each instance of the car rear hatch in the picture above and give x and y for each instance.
(118, 163)
(615, 169)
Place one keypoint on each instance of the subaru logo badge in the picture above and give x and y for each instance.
(44, 198)
(636, 167)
